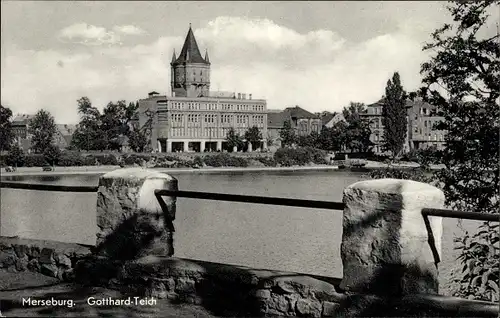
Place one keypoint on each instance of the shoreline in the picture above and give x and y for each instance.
(92, 170)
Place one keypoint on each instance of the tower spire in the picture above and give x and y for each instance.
(173, 57)
(206, 56)
(190, 52)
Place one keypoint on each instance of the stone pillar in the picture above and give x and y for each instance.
(130, 220)
(249, 149)
(169, 146)
(264, 144)
(202, 146)
(186, 146)
(387, 248)
(235, 149)
(158, 146)
(219, 145)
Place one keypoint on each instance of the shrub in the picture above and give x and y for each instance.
(224, 160)
(268, 162)
(415, 174)
(15, 157)
(104, 159)
(68, 159)
(299, 156)
(35, 160)
(198, 161)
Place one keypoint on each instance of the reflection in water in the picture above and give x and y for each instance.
(275, 237)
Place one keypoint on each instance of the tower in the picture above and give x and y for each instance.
(190, 72)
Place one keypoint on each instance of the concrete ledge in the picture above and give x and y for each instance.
(55, 259)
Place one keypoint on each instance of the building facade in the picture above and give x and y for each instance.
(302, 121)
(421, 120)
(194, 119)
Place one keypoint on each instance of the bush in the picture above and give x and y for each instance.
(268, 162)
(104, 159)
(68, 159)
(15, 157)
(299, 156)
(415, 174)
(35, 160)
(224, 160)
(198, 161)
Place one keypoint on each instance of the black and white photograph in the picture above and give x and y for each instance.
(250, 159)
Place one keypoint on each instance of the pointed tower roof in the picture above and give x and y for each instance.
(173, 57)
(190, 52)
(206, 57)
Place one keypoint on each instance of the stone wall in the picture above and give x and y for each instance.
(55, 259)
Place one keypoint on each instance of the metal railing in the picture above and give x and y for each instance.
(480, 308)
(316, 204)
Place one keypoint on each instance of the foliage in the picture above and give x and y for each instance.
(6, 133)
(311, 140)
(357, 133)
(415, 174)
(394, 116)
(52, 154)
(332, 139)
(15, 157)
(299, 156)
(462, 79)
(233, 140)
(115, 122)
(88, 135)
(287, 135)
(42, 128)
(254, 136)
(224, 160)
(137, 140)
(479, 256)
(35, 160)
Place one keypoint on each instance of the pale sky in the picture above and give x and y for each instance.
(318, 55)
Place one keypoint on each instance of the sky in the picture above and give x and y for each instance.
(317, 55)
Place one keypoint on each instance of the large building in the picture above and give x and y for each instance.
(194, 119)
(421, 120)
(302, 121)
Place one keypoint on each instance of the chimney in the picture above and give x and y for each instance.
(244, 96)
(239, 95)
(249, 96)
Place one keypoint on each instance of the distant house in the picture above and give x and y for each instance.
(421, 119)
(20, 129)
(330, 119)
(64, 135)
(303, 121)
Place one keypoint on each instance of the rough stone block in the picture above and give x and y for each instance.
(21, 250)
(330, 309)
(7, 259)
(34, 252)
(156, 289)
(385, 242)
(262, 294)
(47, 256)
(34, 265)
(22, 263)
(185, 286)
(62, 260)
(130, 220)
(49, 270)
(308, 308)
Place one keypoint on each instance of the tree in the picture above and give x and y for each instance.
(233, 139)
(115, 122)
(88, 135)
(6, 134)
(52, 154)
(462, 78)
(137, 140)
(15, 157)
(253, 136)
(287, 134)
(357, 133)
(42, 128)
(394, 116)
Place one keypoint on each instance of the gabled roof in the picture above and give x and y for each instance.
(326, 119)
(190, 52)
(297, 112)
(277, 119)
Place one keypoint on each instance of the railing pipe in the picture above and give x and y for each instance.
(253, 199)
(47, 187)
(461, 215)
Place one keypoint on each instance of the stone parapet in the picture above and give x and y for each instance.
(55, 259)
